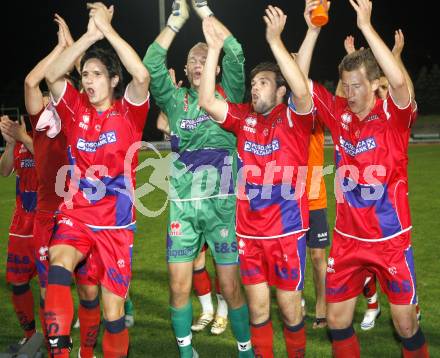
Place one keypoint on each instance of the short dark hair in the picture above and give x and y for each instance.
(111, 61)
(359, 58)
(270, 67)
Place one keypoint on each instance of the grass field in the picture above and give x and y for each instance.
(152, 336)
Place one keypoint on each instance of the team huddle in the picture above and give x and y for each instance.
(246, 182)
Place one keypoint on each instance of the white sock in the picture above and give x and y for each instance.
(372, 299)
(222, 306)
(206, 302)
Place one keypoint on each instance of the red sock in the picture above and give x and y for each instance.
(58, 311)
(369, 291)
(115, 345)
(295, 338)
(217, 285)
(347, 348)
(201, 282)
(89, 320)
(422, 352)
(262, 339)
(23, 302)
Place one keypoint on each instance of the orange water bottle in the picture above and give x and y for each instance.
(319, 16)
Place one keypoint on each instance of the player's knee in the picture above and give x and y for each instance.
(318, 257)
(406, 327)
(87, 293)
(336, 320)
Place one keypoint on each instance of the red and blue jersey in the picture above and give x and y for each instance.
(273, 153)
(26, 180)
(371, 158)
(97, 145)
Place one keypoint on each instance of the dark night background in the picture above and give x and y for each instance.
(28, 33)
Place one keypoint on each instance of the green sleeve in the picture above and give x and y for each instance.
(233, 77)
(161, 86)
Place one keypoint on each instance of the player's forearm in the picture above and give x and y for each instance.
(37, 74)
(7, 160)
(165, 38)
(305, 52)
(408, 80)
(28, 143)
(233, 77)
(207, 100)
(293, 75)
(207, 82)
(127, 55)
(384, 58)
(64, 62)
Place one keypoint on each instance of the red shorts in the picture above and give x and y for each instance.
(108, 253)
(351, 261)
(44, 226)
(280, 262)
(20, 265)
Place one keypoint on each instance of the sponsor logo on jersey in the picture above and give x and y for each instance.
(191, 124)
(224, 233)
(65, 221)
(27, 163)
(104, 138)
(372, 117)
(362, 146)
(260, 149)
(175, 228)
(85, 120)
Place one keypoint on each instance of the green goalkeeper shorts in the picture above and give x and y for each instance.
(192, 223)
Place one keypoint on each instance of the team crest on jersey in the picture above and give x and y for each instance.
(22, 149)
(346, 118)
(175, 228)
(392, 270)
(121, 263)
(251, 122)
(98, 128)
(42, 251)
(241, 245)
(330, 265)
(265, 131)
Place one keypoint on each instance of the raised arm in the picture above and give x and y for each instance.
(33, 97)
(66, 60)
(399, 43)
(233, 75)
(7, 158)
(275, 21)
(384, 57)
(305, 52)
(162, 86)
(137, 89)
(216, 108)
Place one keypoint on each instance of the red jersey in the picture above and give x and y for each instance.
(26, 180)
(371, 159)
(97, 144)
(272, 153)
(50, 155)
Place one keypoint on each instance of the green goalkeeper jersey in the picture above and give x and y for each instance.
(204, 165)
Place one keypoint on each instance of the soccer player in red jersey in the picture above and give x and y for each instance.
(372, 230)
(272, 209)
(370, 291)
(20, 266)
(97, 217)
(47, 139)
